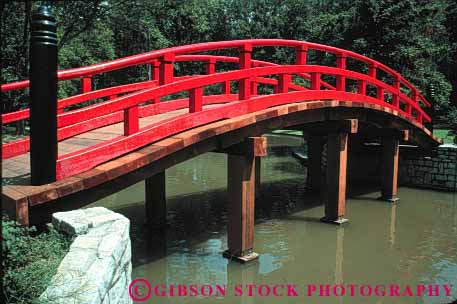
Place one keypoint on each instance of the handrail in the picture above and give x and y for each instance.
(209, 46)
(128, 103)
(134, 99)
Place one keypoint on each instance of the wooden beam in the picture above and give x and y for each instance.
(251, 146)
(155, 201)
(389, 169)
(335, 200)
(332, 126)
(372, 133)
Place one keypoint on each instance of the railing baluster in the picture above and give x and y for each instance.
(131, 120)
(195, 100)
(166, 68)
(362, 87)
(409, 109)
(226, 87)
(283, 83)
(155, 75)
(419, 118)
(396, 95)
(245, 63)
(315, 81)
(155, 69)
(380, 94)
(211, 66)
(86, 84)
(301, 53)
(372, 70)
(340, 79)
(253, 86)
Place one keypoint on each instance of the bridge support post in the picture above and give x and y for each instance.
(43, 93)
(257, 176)
(241, 192)
(314, 174)
(390, 169)
(335, 201)
(155, 201)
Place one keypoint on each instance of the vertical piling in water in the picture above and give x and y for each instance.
(43, 96)
(241, 186)
(155, 201)
(390, 151)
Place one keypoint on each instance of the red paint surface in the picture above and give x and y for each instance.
(126, 103)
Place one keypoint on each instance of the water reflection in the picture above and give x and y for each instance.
(412, 242)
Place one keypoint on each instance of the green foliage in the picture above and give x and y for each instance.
(30, 259)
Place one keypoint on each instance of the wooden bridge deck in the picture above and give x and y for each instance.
(16, 170)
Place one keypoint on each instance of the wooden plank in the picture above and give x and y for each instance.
(332, 126)
(252, 146)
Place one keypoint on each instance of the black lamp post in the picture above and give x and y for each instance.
(43, 96)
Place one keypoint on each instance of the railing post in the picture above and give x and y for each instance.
(396, 95)
(86, 84)
(155, 75)
(380, 94)
(166, 68)
(245, 63)
(409, 108)
(301, 53)
(253, 86)
(315, 81)
(372, 70)
(341, 80)
(43, 93)
(131, 120)
(362, 87)
(226, 87)
(155, 65)
(283, 83)
(195, 100)
(211, 66)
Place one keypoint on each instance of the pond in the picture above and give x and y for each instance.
(410, 243)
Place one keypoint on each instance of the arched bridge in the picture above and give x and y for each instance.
(112, 137)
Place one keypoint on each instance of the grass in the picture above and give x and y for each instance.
(445, 134)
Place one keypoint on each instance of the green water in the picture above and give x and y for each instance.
(409, 243)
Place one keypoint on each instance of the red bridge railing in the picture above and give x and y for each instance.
(128, 103)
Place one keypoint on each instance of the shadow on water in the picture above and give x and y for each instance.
(197, 217)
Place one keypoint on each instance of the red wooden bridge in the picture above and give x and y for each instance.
(113, 137)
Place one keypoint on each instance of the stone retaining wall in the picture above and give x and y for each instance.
(438, 171)
(97, 268)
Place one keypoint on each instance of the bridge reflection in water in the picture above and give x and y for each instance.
(293, 246)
